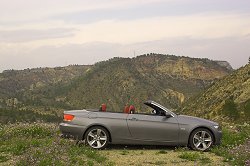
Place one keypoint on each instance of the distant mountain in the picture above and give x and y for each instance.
(16, 84)
(168, 79)
(227, 99)
(225, 64)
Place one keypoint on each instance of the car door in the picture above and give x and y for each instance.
(153, 128)
(116, 123)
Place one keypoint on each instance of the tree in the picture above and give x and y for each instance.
(230, 109)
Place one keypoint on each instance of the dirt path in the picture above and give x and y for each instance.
(148, 156)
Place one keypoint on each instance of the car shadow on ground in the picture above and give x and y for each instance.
(141, 147)
(136, 147)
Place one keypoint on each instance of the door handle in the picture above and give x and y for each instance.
(133, 119)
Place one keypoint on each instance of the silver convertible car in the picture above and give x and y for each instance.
(161, 127)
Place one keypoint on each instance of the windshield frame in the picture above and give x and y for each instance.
(148, 103)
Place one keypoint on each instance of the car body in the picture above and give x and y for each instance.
(161, 127)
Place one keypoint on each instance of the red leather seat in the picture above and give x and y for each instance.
(131, 109)
(126, 109)
(103, 108)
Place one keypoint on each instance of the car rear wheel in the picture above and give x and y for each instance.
(201, 139)
(97, 137)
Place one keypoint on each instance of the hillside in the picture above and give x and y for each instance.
(40, 95)
(167, 79)
(227, 99)
(28, 95)
(16, 84)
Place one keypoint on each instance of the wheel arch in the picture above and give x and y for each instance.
(97, 125)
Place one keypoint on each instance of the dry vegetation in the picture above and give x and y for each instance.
(40, 144)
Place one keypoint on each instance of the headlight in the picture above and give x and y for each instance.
(217, 127)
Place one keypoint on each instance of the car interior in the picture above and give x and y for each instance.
(130, 109)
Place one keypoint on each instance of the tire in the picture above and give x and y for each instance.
(201, 139)
(97, 137)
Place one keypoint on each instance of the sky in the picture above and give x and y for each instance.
(35, 33)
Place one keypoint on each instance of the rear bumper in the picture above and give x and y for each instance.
(72, 131)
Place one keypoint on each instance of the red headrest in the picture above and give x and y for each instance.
(126, 109)
(103, 107)
(131, 109)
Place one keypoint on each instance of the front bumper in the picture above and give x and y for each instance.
(72, 131)
(218, 137)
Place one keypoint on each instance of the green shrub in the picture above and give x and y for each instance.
(230, 109)
(195, 156)
(191, 156)
(124, 152)
(232, 145)
(247, 109)
(19, 148)
(40, 145)
(27, 131)
(231, 138)
(162, 152)
(3, 158)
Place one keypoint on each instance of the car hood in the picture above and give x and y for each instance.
(191, 119)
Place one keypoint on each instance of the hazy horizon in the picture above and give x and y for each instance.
(96, 62)
(59, 33)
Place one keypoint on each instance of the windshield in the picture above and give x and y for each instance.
(163, 108)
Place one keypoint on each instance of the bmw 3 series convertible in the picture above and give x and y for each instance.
(98, 128)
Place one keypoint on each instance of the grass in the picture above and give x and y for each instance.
(162, 152)
(3, 158)
(191, 156)
(195, 156)
(124, 152)
(40, 145)
(160, 163)
(235, 145)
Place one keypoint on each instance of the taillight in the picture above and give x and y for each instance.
(68, 117)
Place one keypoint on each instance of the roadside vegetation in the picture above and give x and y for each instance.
(235, 146)
(32, 103)
(27, 115)
(39, 144)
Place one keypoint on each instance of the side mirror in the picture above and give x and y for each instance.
(168, 115)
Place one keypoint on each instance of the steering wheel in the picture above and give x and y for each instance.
(153, 112)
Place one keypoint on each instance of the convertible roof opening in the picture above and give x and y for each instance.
(155, 105)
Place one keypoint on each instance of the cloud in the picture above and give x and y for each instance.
(30, 10)
(235, 50)
(31, 35)
(157, 28)
(60, 32)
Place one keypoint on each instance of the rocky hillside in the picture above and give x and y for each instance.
(165, 78)
(228, 98)
(16, 84)
(168, 79)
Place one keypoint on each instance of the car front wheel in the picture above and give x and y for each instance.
(201, 139)
(97, 137)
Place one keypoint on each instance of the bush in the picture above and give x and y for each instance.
(230, 109)
(247, 109)
(190, 156)
(234, 145)
(40, 145)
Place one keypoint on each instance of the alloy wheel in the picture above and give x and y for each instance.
(202, 140)
(97, 138)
